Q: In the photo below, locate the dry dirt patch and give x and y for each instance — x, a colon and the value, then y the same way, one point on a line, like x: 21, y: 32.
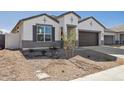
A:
x: 14, y: 66
x: 63, y: 71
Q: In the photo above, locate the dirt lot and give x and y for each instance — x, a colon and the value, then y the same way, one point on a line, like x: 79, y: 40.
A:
x: 14, y: 66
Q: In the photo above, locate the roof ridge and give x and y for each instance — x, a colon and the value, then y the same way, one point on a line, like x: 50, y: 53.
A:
x: 38, y: 16
x: 68, y: 13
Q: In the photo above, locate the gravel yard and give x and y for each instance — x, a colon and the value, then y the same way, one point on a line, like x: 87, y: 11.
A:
x: 14, y: 66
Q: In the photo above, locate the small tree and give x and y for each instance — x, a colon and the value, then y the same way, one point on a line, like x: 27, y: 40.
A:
x: 69, y: 43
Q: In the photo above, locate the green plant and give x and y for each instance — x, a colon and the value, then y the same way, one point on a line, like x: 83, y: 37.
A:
x: 69, y: 43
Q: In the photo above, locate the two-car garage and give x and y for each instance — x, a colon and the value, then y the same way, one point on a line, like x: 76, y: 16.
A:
x: 92, y: 39
x: 88, y: 38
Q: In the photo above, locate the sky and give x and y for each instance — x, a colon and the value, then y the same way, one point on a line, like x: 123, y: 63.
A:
x: 8, y: 19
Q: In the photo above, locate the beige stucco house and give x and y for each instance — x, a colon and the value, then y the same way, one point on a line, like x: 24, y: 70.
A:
x: 42, y: 31
x: 114, y: 35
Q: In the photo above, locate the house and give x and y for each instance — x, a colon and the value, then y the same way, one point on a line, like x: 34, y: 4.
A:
x: 43, y: 31
x: 114, y: 35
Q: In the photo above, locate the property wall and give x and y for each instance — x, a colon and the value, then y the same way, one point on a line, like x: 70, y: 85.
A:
x: 92, y: 25
x: 28, y: 27
x: 20, y: 35
x: 12, y: 40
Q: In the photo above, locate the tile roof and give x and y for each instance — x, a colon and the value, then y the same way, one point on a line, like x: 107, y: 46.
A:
x: 119, y: 28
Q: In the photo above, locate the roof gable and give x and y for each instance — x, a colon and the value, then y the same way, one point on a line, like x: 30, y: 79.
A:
x: 69, y: 13
x: 119, y: 28
x: 25, y: 19
x: 39, y: 16
x: 91, y: 17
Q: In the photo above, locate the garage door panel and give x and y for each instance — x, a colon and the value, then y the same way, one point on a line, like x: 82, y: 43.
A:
x: 108, y: 39
x: 122, y: 38
x: 88, y: 39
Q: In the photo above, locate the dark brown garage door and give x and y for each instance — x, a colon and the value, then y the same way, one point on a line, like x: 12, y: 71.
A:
x: 122, y: 38
x: 108, y: 39
x: 88, y: 38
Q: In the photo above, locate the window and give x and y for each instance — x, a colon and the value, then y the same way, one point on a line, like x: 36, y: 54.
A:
x: 44, y: 33
x: 48, y: 33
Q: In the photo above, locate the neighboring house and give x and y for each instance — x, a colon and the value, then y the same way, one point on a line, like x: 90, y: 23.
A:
x: 114, y: 35
x: 43, y: 31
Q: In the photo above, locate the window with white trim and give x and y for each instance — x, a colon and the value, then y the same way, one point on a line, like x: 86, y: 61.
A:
x: 44, y: 33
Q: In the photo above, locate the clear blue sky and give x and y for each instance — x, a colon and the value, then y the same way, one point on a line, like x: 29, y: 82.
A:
x: 8, y: 19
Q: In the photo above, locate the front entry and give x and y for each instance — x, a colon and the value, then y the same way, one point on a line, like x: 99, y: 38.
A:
x: 88, y: 38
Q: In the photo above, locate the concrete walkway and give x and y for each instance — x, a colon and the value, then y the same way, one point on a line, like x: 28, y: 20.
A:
x: 114, y: 74
x: 108, y: 50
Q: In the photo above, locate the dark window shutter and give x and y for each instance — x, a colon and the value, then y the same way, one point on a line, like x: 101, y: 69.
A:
x: 53, y: 34
x: 34, y: 32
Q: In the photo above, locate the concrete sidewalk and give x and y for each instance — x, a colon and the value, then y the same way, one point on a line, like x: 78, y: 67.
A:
x: 113, y: 74
x: 117, y: 55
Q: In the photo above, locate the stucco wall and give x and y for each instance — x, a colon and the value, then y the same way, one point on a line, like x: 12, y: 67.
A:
x: 87, y: 25
x: 12, y: 41
x: 20, y: 34
x: 68, y: 17
x: 117, y: 35
x: 61, y: 21
x: 66, y: 20
x: 28, y: 27
x: 109, y: 33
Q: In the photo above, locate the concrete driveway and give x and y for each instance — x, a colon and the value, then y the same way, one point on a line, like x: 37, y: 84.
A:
x: 113, y: 74
x: 108, y: 50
